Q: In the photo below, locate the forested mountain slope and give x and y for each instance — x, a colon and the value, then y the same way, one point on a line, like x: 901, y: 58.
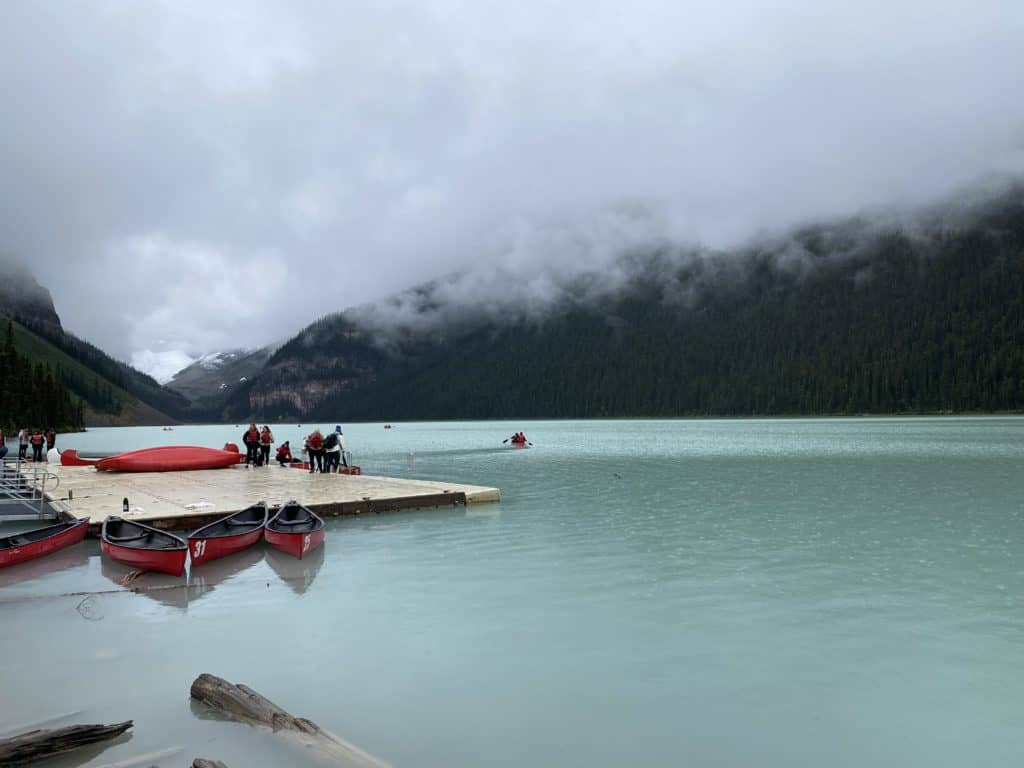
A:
x: 110, y: 391
x: 855, y: 317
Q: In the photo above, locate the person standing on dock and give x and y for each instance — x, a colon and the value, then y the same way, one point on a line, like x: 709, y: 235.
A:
x: 37, y: 441
x: 251, y: 438
x: 51, y: 439
x: 343, y: 449
x: 23, y: 436
x: 332, y: 451
x: 266, y: 440
x: 316, y: 451
x: 3, y: 444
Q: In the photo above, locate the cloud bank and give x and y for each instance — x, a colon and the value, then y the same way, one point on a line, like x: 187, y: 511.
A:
x: 191, y: 176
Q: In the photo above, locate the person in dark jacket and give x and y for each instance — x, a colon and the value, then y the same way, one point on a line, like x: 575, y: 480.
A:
x: 251, y: 438
x: 37, y: 441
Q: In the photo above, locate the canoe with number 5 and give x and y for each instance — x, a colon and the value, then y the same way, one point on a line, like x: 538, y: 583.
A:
x: 143, y: 547
x: 228, y: 535
x: 295, y: 530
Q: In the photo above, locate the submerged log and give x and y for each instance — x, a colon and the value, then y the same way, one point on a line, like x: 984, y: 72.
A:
x: 37, y: 745
x: 242, y: 703
x: 148, y: 759
x: 35, y: 725
x: 201, y: 763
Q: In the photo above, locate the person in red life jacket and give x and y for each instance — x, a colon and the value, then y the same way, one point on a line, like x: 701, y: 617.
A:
x: 284, y: 454
x: 316, y: 451
x: 251, y: 438
x: 266, y: 440
x: 37, y: 441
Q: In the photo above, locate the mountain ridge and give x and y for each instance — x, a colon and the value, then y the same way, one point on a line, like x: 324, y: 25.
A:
x: 847, y: 317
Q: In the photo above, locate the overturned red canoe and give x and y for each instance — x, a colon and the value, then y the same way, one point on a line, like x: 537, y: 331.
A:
x: 171, y: 458
x: 70, y: 458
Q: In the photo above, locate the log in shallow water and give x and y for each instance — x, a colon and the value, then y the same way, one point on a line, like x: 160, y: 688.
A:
x: 38, y: 745
x: 242, y: 703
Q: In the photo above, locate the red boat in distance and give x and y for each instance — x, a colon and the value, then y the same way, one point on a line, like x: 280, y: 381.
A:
x: 294, y: 530
x: 143, y: 547
x: 29, y: 545
x: 228, y: 535
x: 170, y: 458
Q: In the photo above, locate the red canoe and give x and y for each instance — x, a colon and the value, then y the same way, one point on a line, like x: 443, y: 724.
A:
x: 142, y: 547
x: 42, y: 541
x: 228, y: 535
x: 70, y: 458
x: 295, y: 530
x: 171, y: 458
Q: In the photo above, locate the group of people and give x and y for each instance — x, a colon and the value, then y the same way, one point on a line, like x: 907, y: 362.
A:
x: 518, y: 438
x: 326, y: 454
x: 257, y: 445
x: 39, y: 440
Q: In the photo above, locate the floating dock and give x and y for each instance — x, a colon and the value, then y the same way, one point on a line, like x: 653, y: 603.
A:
x: 186, y: 500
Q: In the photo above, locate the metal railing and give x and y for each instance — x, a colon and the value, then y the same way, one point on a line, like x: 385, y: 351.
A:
x: 23, y: 490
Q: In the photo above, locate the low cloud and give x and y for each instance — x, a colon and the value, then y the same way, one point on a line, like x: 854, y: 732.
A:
x: 215, y: 175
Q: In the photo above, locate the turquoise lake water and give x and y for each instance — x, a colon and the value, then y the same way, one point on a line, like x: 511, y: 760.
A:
x: 648, y: 593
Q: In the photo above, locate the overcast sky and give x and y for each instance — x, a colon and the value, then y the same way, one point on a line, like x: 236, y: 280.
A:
x: 193, y: 176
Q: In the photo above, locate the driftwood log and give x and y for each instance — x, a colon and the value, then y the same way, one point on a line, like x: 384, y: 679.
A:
x: 201, y: 763
x: 31, y: 746
x: 242, y: 703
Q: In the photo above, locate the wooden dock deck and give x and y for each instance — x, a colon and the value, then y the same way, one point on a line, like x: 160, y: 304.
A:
x: 184, y: 500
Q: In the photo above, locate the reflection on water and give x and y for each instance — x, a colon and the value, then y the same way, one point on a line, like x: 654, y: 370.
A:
x: 172, y: 591
x: 205, y: 578
x: 180, y: 592
x: 75, y: 556
x: 297, y: 574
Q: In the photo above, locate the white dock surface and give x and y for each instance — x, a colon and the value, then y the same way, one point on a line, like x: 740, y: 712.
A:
x: 166, y: 496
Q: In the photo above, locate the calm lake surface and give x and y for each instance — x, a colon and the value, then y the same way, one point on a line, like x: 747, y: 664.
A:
x: 648, y: 593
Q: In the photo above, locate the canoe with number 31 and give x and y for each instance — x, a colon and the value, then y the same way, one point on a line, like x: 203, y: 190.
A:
x: 228, y: 535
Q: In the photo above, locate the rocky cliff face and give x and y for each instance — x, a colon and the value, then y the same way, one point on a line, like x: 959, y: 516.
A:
x: 22, y: 298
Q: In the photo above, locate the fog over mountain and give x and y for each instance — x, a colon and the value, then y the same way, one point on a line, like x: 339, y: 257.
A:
x: 193, y: 177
